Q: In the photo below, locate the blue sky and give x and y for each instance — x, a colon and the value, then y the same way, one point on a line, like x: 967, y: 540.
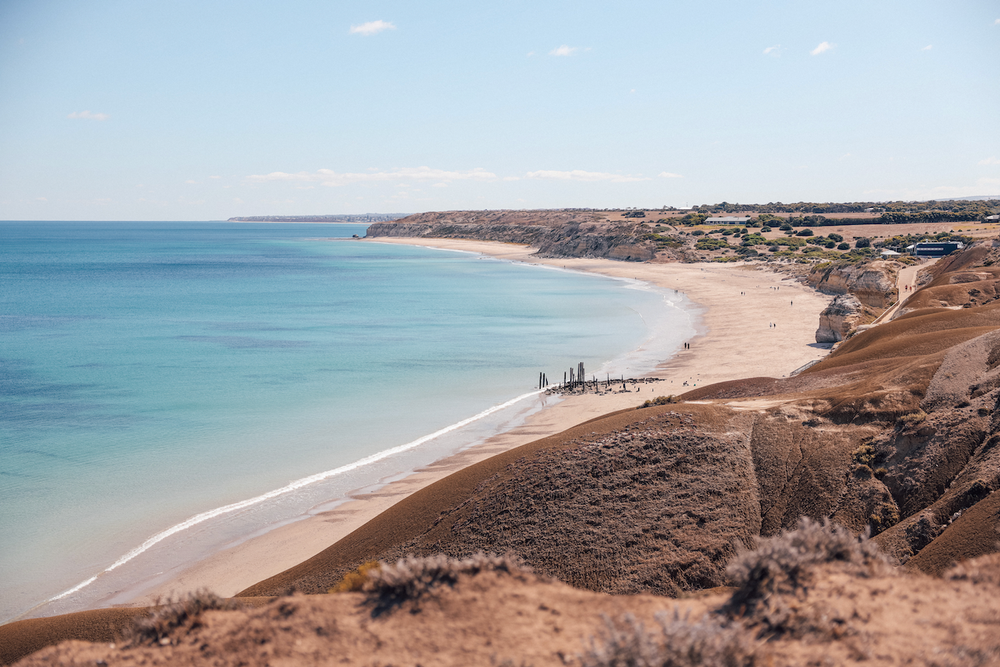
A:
x: 138, y: 110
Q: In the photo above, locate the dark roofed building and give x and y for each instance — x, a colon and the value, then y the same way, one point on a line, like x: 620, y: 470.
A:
x: 935, y: 249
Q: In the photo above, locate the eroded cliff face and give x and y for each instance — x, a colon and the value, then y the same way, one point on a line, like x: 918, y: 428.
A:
x: 874, y: 283
x: 843, y: 314
x: 554, y: 233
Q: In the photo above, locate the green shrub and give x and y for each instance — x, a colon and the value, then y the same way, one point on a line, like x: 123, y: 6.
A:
x: 843, y: 246
x: 711, y: 244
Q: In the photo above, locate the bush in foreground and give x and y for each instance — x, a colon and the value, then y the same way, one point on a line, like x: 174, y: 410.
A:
x: 679, y: 643
x: 166, y: 618
x: 783, y: 566
x: 410, y: 578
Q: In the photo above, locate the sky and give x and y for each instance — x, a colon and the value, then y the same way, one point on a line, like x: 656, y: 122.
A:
x: 204, y: 110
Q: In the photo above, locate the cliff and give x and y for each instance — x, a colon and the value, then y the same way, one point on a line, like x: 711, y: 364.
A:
x: 564, y: 233
x: 872, y: 283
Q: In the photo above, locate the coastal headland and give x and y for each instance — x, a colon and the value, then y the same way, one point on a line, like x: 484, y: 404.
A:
x: 690, y: 506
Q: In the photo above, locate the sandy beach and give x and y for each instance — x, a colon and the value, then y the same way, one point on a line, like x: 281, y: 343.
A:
x: 752, y: 322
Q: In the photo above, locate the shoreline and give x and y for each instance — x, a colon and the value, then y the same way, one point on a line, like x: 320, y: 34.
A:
x: 720, y: 351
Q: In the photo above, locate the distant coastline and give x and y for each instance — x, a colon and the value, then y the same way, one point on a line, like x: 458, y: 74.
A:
x: 361, y: 217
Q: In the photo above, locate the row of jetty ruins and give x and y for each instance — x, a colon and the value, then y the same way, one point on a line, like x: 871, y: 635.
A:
x: 575, y: 382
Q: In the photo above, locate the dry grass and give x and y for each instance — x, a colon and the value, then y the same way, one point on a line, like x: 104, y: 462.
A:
x: 982, y: 570
x: 783, y: 566
x: 354, y: 581
x: 679, y: 643
x: 413, y: 577
x: 182, y: 615
x: 660, y: 400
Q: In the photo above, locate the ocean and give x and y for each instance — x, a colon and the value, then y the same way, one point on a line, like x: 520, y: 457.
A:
x: 169, y: 388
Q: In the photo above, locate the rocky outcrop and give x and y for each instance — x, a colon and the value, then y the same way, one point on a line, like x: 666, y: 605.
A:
x: 874, y: 283
x: 843, y: 314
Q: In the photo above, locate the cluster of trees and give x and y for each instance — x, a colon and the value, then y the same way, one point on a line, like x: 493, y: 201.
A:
x: 903, y: 240
x: 972, y: 209
x: 894, y: 218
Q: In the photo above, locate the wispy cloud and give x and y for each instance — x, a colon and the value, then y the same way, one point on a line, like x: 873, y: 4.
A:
x: 586, y: 176
x: 928, y: 47
x: 822, y: 48
x: 86, y: 115
x: 334, y: 179
x: 564, y: 50
x: 997, y: 22
x: 667, y: 174
x: 990, y: 160
x: 371, y: 28
x: 773, y: 51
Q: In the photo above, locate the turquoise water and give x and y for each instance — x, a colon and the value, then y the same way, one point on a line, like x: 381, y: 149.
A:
x: 152, y: 375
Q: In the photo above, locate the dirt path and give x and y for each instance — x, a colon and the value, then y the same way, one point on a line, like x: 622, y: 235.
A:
x: 907, y: 276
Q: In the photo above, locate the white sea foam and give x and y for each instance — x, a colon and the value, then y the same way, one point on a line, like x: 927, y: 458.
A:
x: 290, y: 487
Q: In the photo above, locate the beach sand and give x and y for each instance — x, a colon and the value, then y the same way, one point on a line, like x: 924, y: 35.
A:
x: 737, y: 306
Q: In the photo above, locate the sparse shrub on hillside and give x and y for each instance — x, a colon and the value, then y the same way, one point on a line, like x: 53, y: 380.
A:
x: 659, y: 400
x: 885, y: 516
x: 864, y: 455
x: 354, y: 581
x: 164, y: 619
x: 783, y: 565
x: 679, y: 643
x: 912, y: 418
x: 412, y: 577
x: 862, y: 472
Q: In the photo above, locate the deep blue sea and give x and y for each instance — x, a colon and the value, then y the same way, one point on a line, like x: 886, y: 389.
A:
x: 167, y: 389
